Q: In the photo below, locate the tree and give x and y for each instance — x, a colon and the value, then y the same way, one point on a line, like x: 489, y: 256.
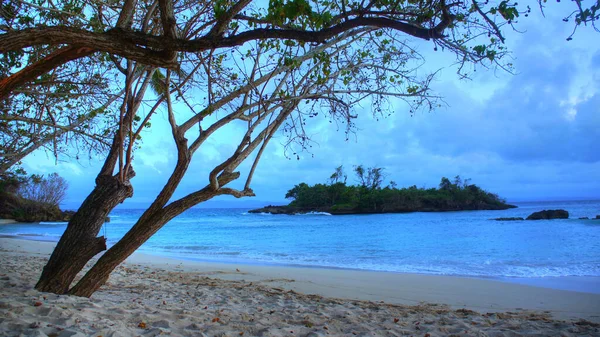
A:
x: 338, y: 175
x: 50, y: 190
x: 374, y: 177
x: 264, y: 68
x: 445, y: 184
x: 359, y: 170
x: 262, y: 118
x: 371, y: 178
x: 296, y: 191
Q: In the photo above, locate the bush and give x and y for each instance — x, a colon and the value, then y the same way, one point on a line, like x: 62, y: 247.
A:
x: 51, y: 190
x: 343, y: 207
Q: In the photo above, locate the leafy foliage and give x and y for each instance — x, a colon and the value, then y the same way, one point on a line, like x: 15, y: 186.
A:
x: 372, y: 198
x: 66, y: 110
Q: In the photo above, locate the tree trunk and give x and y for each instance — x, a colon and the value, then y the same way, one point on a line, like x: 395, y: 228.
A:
x: 148, y: 224
x: 98, y: 275
x: 79, y: 242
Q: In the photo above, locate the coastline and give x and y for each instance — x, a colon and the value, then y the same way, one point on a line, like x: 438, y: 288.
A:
x: 582, y: 284
x: 480, y: 295
x: 293, y: 210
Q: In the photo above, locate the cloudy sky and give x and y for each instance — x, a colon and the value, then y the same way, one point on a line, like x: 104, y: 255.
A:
x: 533, y: 135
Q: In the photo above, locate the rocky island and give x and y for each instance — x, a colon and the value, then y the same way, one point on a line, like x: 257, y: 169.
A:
x: 370, y: 197
x: 549, y: 215
x: 541, y: 215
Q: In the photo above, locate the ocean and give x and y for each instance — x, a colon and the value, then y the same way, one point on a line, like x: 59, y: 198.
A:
x: 465, y: 243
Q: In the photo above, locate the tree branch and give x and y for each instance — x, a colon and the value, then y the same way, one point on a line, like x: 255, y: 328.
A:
x: 204, y: 194
x: 244, y: 89
x: 125, y: 19
x: 225, y: 19
x: 169, y: 24
x: 129, y: 44
x: 488, y: 20
x: 31, y: 72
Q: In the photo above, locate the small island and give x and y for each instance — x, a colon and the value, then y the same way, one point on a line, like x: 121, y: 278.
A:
x: 369, y: 197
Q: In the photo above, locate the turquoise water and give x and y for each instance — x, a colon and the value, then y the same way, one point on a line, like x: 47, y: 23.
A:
x: 451, y: 243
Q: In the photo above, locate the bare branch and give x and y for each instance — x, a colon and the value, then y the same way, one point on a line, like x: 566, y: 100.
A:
x: 488, y: 20
x: 247, y: 192
x: 224, y: 20
x: 126, y: 16
x: 234, y: 94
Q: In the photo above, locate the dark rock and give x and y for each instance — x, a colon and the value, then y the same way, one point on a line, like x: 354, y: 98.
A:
x: 583, y: 218
x: 508, y: 219
x: 597, y: 217
x: 281, y: 210
x: 549, y: 214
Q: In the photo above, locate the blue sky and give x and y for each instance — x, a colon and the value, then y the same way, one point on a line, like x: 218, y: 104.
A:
x: 533, y: 135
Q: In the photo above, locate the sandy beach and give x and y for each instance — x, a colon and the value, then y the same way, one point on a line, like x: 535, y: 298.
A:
x: 150, y: 296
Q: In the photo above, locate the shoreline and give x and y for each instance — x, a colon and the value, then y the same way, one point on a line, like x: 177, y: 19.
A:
x: 481, y: 295
x: 582, y: 284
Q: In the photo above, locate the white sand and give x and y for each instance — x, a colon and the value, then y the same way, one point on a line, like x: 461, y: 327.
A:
x: 178, y: 298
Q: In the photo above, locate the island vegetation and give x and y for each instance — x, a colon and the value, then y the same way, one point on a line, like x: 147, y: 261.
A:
x: 370, y: 196
x: 32, y: 198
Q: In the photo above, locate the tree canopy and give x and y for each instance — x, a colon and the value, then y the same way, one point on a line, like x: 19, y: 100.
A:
x: 60, y: 59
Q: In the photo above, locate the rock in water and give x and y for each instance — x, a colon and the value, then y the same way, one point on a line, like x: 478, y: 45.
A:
x: 549, y: 214
x: 509, y: 219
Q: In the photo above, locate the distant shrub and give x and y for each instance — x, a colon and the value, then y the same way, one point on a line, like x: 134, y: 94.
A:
x: 343, y: 207
x: 51, y: 190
